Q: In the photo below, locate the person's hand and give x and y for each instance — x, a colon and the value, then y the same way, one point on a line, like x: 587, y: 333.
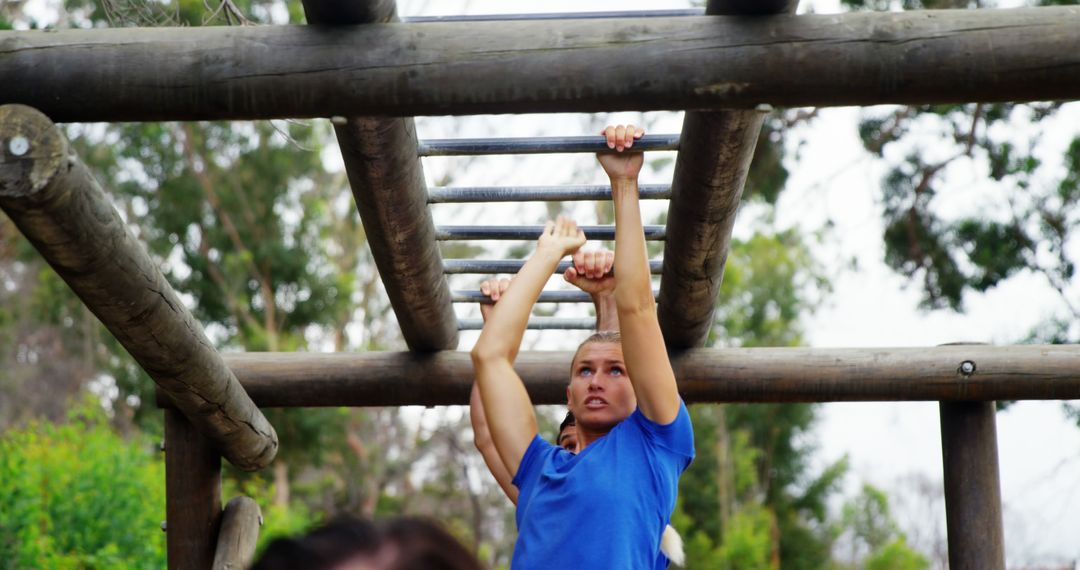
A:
x: 561, y: 237
x: 591, y: 272
x: 493, y: 288
x: 621, y: 165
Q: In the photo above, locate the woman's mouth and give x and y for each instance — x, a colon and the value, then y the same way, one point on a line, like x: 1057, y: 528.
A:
x: 595, y: 403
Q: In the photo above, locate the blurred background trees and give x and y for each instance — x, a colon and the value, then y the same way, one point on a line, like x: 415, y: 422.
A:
x: 254, y: 224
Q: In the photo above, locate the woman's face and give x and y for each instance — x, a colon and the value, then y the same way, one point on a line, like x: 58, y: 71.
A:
x: 600, y: 394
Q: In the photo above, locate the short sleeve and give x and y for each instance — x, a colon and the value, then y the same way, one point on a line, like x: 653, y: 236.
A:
x: 677, y: 436
x: 529, y: 467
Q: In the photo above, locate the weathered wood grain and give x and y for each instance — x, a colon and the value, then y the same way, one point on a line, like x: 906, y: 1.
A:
x: 56, y: 203
x: 388, y: 184
x: 240, y: 522
x: 714, y: 157
x: 192, y: 495
x: 692, y: 63
x: 1026, y: 372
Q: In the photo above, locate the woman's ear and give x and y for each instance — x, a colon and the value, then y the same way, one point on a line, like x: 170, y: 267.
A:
x: 568, y: 395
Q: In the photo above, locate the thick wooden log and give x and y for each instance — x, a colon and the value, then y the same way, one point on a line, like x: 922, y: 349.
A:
x: 1026, y: 372
x: 192, y: 495
x: 710, y: 172
x: 692, y: 63
x: 972, y: 486
x: 388, y: 184
x: 56, y: 203
x: 240, y: 524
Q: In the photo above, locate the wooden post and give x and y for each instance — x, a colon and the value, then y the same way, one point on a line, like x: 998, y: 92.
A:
x: 710, y: 172
x: 388, y: 184
x: 52, y: 198
x: 1026, y: 372
x: 692, y: 63
x: 239, y: 532
x: 972, y: 486
x: 192, y: 495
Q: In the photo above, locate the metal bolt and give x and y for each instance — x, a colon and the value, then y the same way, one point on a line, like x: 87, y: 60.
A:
x: 967, y: 368
x: 261, y: 521
x: 18, y: 145
x: 764, y: 108
x: 161, y: 445
x: 163, y: 526
x: 339, y: 120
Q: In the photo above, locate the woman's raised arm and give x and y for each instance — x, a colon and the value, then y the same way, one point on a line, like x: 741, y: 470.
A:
x: 507, y: 406
x: 644, y: 352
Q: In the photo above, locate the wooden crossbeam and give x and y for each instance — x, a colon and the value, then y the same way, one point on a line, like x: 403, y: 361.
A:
x: 387, y: 181
x: 947, y: 373
x: 692, y: 63
x: 710, y: 171
x: 53, y: 199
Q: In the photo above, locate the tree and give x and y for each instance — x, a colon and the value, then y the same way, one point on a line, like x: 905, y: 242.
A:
x: 1024, y: 217
x: 76, y: 495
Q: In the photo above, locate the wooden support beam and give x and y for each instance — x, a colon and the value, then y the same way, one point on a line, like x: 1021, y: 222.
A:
x: 710, y: 172
x: 693, y: 63
x: 240, y: 524
x: 972, y: 486
x: 1025, y: 372
x: 192, y: 495
x: 56, y: 203
x: 388, y: 184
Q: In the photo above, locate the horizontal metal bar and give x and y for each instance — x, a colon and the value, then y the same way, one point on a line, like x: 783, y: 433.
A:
x: 459, y: 266
x: 474, y: 296
x: 538, y: 145
x: 445, y: 233
x: 461, y: 194
x: 556, y: 16
x: 537, y: 324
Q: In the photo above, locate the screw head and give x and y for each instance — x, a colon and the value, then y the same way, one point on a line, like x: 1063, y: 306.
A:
x: 967, y: 368
x: 164, y: 524
x: 18, y: 145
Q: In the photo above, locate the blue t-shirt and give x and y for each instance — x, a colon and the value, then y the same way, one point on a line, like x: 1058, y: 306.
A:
x: 607, y: 506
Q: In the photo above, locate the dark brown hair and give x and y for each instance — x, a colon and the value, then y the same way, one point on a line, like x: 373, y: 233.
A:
x: 420, y: 544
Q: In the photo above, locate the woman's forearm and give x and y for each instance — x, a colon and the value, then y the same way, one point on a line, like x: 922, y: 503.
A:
x: 502, y: 333
x: 633, y: 285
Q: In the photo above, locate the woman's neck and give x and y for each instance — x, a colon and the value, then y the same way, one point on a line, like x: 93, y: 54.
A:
x: 587, y: 436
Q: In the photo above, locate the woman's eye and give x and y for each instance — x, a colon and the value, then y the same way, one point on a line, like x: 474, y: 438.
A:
x: 616, y: 371
x: 585, y: 371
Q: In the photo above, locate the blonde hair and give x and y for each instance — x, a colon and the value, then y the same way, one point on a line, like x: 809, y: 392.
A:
x: 605, y: 337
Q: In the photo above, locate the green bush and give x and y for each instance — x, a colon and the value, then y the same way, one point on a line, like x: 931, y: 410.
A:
x: 76, y: 495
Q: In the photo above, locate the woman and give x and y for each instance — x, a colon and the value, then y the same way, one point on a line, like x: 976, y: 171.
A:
x: 606, y: 506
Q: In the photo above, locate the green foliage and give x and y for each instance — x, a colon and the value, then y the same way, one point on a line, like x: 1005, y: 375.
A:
x: 75, y: 495
x: 897, y: 555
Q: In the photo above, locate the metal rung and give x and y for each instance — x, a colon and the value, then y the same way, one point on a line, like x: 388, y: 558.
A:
x: 444, y: 233
x: 538, y: 145
x: 487, y: 266
x: 473, y: 296
x: 536, y: 323
x: 557, y: 16
x: 445, y: 195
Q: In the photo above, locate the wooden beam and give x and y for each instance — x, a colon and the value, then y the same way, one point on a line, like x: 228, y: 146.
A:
x: 714, y: 157
x: 1025, y: 372
x: 56, y: 203
x: 388, y: 184
x: 240, y: 524
x: 692, y: 63
x: 972, y: 486
x: 192, y: 495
